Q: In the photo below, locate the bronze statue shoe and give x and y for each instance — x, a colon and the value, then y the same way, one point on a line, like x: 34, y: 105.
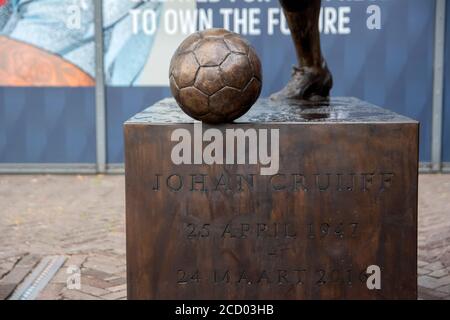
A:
x: 307, y: 83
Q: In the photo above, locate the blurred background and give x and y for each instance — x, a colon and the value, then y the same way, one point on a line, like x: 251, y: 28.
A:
x: 115, y: 58
x: 73, y: 71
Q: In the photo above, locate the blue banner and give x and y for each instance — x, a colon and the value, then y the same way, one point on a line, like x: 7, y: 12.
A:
x: 47, y: 125
x: 378, y: 50
x: 387, y: 61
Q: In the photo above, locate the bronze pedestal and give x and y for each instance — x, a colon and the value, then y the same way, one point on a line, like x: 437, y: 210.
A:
x: 342, y: 199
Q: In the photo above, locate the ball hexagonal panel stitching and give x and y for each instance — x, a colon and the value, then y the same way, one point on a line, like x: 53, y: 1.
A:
x: 185, y: 76
x: 236, y: 71
x: 209, y: 80
x: 225, y: 101
x: 211, y: 52
x: 189, y: 44
x: 237, y: 44
x: 215, y: 76
x: 195, y: 103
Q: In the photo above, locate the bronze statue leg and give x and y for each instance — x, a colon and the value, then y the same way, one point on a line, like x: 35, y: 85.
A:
x: 311, y: 80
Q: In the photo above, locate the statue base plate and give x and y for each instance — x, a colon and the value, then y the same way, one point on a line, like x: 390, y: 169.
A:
x: 288, y: 202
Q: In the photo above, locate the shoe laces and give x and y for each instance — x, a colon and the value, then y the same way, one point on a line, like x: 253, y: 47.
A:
x: 296, y: 70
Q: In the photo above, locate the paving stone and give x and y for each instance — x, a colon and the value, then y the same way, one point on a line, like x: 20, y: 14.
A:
x: 122, y: 287
x: 113, y: 278
x: 61, y: 276
x: 76, y: 260
x: 94, y: 291
x: 422, y: 272
x: 444, y: 289
x: 429, y: 294
x: 118, y: 281
x: 439, y: 273
x: 6, y: 290
x: 428, y: 282
x: 98, y: 283
x: 20, y: 270
x: 421, y: 264
x: 434, y: 266
x: 115, y: 295
x: 95, y: 273
x: 444, y: 281
x: 78, y: 295
x: 110, y: 269
x: 102, y: 260
x: 51, y: 292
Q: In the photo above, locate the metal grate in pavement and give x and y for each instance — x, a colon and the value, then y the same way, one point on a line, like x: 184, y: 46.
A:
x: 41, y: 275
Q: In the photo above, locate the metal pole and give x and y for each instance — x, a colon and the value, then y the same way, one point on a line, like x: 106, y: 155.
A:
x: 438, y: 86
x: 100, y: 100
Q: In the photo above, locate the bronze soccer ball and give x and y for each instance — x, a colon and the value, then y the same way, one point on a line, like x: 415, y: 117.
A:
x: 215, y: 76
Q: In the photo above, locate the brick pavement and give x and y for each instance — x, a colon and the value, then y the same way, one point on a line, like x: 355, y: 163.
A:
x: 434, y: 237
x: 82, y: 218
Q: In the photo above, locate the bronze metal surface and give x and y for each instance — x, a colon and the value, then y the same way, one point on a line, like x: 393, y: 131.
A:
x: 215, y: 76
x: 311, y: 79
x: 344, y: 199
